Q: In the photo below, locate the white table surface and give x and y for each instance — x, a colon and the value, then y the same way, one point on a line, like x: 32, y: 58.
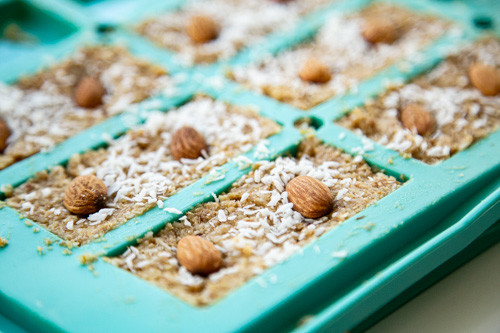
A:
x: 467, y: 300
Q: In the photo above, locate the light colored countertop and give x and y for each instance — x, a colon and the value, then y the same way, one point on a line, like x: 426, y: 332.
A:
x: 468, y: 300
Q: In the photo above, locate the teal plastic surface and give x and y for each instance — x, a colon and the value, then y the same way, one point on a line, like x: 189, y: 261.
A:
x: 52, y: 29
x: 438, y: 211
x: 488, y: 239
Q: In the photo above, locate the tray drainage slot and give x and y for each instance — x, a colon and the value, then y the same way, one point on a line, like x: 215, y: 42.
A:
x: 483, y: 22
x: 306, y: 122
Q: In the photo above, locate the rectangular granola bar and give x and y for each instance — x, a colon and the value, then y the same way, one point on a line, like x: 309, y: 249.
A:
x: 40, y: 110
x: 462, y: 114
x: 239, y: 23
x: 341, y: 48
x: 254, y: 225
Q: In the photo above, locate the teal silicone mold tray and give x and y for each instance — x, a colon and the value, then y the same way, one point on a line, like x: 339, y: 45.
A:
x: 33, y: 33
x: 39, y: 26
x: 436, y: 213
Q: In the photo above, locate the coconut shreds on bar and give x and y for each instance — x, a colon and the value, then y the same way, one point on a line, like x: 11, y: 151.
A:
x: 463, y: 115
x: 254, y: 224
x: 139, y: 170
x: 341, y: 47
x: 241, y: 23
x: 40, y: 109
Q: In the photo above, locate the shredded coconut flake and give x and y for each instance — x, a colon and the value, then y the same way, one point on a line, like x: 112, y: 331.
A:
x: 172, y: 210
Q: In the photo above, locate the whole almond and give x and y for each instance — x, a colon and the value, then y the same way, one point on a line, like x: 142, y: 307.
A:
x: 315, y: 71
x: 415, y: 117
x: 4, y: 135
x: 198, y: 255
x: 202, y: 29
x: 485, y: 78
x: 187, y: 143
x: 379, y: 30
x: 310, y: 197
x: 85, y: 195
x: 89, y: 92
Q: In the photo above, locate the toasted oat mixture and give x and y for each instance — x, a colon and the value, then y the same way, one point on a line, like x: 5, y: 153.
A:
x: 254, y: 225
x: 463, y: 115
x: 139, y: 170
x: 40, y: 110
x: 241, y: 23
x: 340, y: 46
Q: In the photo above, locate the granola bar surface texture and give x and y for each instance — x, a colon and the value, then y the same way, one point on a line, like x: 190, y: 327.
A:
x: 463, y: 115
x: 40, y: 109
x: 253, y: 224
x: 341, y: 47
x: 241, y: 23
